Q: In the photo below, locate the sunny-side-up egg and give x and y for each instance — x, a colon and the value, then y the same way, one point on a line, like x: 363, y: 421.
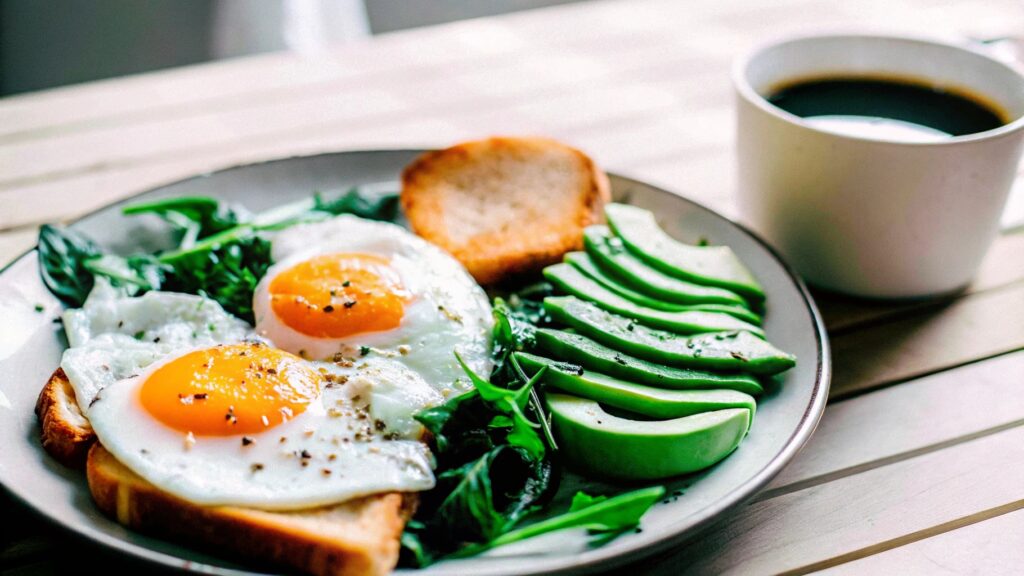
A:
x: 347, y: 288
x: 250, y: 425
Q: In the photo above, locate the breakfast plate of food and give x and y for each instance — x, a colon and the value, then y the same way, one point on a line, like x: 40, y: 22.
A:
x: 488, y: 359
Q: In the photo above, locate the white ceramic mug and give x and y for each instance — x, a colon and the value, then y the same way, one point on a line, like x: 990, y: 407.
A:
x: 867, y: 216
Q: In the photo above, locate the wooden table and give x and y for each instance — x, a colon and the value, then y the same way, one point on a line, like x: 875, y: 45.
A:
x: 918, y: 465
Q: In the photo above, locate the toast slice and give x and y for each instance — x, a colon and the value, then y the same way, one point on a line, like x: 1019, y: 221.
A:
x: 504, y: 206
x: 65, y: 432
x: 355, y: 537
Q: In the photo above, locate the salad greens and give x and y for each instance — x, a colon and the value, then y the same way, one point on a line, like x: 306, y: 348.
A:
x: 219, y: 252
x: 498, y: 462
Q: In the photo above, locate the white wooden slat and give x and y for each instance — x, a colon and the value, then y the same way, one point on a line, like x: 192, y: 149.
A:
x: 899, y: 422
x: 975, y: 326
x: 994, y: 546
x: 539, y: 76
x: 865, y: 513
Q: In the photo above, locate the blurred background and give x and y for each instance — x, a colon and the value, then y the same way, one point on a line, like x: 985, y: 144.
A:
x: 49, y: 43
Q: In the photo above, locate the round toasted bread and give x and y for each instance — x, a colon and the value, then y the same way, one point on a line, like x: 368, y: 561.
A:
x: 504, y: 207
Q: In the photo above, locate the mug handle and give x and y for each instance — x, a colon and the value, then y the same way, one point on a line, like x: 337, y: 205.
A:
x: 1010, y: 51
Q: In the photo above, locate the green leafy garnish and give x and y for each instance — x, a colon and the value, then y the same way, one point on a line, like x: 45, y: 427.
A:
x: 598, y: 515
x: 219, y: 254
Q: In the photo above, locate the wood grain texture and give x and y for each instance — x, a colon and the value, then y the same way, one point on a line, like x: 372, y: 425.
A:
x: 979, y: 548
x: 863, y: 514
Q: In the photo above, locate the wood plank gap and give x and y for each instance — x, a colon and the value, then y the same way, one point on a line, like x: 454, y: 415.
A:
x: 843, y: 396
x: 908, y: 538
x: 879, y: 463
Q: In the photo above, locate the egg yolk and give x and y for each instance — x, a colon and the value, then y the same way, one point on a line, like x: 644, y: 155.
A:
x: 338, y: 295
x: 229, y: 390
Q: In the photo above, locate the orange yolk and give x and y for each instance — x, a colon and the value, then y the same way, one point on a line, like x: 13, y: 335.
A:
x: 338, y: 295
x: 228, y: 390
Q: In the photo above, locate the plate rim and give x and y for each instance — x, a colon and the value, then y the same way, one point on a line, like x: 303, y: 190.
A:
x: 598, y: 559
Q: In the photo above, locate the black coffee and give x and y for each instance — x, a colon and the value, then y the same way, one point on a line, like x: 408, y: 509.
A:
x: 887, y: 107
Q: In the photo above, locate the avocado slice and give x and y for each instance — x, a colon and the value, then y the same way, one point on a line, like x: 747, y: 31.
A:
x: 595, y: 356
x: 604, y: 445
x: 570, y: 280
x: 645, y: 400
x: 581, y: 261
x: 710, y: 265
x: 732, y: 351
x: 608, y: 252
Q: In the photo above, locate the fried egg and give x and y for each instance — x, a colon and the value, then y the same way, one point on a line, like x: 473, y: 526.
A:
x: 349, y: 288
x: 249, y: 425
x: 113, y: 336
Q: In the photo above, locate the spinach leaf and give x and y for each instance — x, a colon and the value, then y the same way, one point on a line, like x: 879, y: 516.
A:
x: 600, y: 515
x: 63, y: 255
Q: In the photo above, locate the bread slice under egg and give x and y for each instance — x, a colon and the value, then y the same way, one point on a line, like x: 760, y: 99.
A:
x: 355, y: 537
x: 504, y: 206
x: 65, y: 431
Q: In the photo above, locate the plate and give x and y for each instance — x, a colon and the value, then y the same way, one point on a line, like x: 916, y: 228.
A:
x: 31, y: 344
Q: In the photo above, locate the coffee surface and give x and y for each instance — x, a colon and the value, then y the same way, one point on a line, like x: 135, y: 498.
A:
x: 888, y: 108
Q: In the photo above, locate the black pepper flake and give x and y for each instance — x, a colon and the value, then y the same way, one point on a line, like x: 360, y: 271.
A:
x: 156, y: 340
x: 349, y: 303
x: 326, y: 472
x: 305, y: 454
x: 364, y: 350
x: 200, y: 396
x: 256, y: 467
x: 346, y: 283
x: 120, y: 323
x: 247, y: 441
x: 282, y: 440
x: 620, y: 359
x: 328, y: 308
x: 271, y: 371
x: 379, y: 425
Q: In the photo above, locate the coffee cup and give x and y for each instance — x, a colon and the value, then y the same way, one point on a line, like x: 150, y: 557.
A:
x: 868, y: 205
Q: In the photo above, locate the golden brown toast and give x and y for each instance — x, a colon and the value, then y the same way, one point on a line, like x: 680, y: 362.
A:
x: 356, y: 537
x: 65, y: 431
x: 504, y: 206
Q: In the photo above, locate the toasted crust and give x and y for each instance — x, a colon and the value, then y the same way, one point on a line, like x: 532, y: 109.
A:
x: 504, y: 206
x: 353, y: 538
x: 65, y: 432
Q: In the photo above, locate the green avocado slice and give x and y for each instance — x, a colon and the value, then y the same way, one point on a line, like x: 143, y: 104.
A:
x: 568, y: 279
x: 710, y: 265
x: 732, y: 351
x: 645, y: 400
x: 608, y: 252
x: 592, y: 355
x: 585, y: 264
x: 604, y: 445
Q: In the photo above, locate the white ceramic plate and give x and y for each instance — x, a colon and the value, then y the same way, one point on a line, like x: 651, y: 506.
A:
x: 31, y: 345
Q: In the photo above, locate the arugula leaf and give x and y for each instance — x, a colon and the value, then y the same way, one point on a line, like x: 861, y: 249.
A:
x: 227, y: 273
x: 63, y: 254
x: 194, y: 217
x: 607, y: 516
x: 476, y: 502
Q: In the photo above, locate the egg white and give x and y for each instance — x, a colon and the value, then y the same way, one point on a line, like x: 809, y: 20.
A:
x: 113, y: 336
x: 349, y: 442
x: 448, y: 311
